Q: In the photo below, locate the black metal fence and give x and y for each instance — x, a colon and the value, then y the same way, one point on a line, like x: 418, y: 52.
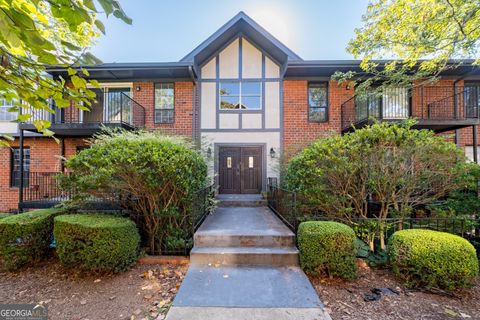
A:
x: 283, y: 203
x: 203, y: 204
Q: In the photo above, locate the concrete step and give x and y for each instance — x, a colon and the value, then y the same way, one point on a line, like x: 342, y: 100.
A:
x: 204, y: 239
x: 246, y: 293
x: 242, y: 203
x: 266, y: 256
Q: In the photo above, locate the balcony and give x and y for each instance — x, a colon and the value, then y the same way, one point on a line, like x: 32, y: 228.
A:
x: 438, y: 108
x: 112, y: 109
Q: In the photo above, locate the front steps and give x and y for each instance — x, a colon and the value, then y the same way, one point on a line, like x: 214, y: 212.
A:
x: 244, y: 236
x: 244, y: 266
x: 241, y: 200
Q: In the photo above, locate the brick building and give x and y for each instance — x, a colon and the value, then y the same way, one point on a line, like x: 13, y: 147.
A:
x: 245, y: 96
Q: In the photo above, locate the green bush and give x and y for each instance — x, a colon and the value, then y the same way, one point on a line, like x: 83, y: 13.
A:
x: 426, y: 258
x: 154, y: 176
x: 26, y: 237
x: 96, y: 242
x: 4, y: 215
x: 327, y: 247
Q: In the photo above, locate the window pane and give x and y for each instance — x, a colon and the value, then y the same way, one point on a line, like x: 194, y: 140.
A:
x: 251, y: 103
x: 251, y: 88
x: 164, y: 96
x: 317, y: 114
x: 15, y: 174
x: 229, y: 102
x: 229, y: 88
x: 164, y: 116
x: 6, y: 115
x: 317, y: 95
x: 395, y: 103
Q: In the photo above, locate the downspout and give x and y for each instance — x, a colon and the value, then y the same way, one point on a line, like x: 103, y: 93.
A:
x: 194, y: 104
x: 20, y: 187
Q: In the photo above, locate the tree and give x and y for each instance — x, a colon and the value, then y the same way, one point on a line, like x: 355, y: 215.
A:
x: 38, y: 33
x: 398, y: 167
x: 408, y: 31
x: 155, y: 177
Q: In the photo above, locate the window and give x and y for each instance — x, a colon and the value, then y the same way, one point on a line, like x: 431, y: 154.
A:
x: 472, y: 99
x: 15, y: 167
x: 164, y: 103
x: 236, y: 95
x: 318, y: 102
x: 6, y: 115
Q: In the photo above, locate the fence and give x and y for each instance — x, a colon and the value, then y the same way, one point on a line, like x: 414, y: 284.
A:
x: 284, y: 204
x: 202, y: 205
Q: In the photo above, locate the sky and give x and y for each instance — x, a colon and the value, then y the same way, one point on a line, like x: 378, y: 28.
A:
x: 166, y: 30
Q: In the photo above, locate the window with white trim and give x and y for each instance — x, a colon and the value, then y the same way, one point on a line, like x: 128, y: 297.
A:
x: 164, y: 103
x: 5, y: 114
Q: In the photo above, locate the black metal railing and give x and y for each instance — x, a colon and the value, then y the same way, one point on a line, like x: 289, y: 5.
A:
x: 109, y: 108
x: 423, y: 103
x: 203, y: 204
x: 460, y: 106
x: 283, y: 203
x: 43, y: 187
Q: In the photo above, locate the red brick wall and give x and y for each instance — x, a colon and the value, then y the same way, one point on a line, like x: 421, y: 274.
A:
x: 183, y: 96
x: 298, y: 131
x: 44, y: 157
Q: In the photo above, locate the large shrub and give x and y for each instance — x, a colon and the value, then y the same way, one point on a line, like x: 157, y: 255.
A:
x: 96, y: 242
x: 154, y: 176
x: 25, y: 238
x: 399, y: 167
x: 4, y: 215
x: 432, y: 259
x: 327, y: 247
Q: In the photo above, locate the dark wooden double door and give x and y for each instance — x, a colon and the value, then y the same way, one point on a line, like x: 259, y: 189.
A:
x: 240, y: 170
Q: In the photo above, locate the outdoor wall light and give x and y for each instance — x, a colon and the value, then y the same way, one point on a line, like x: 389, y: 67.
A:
x: 272, y: 153
x: 138, y: 88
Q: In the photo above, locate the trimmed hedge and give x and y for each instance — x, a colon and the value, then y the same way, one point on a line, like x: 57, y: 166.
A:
x: 25, y: 238
x: 96, y: 242
x: 426, y: 258
x: 4, y: 215
x: 327, y: 247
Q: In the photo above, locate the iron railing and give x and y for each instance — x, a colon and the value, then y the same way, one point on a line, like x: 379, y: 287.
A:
x: 203, y: 204
x: 423, y: 103
x: 283, y: 203
x: 42, y: 187
x: 111, y: 108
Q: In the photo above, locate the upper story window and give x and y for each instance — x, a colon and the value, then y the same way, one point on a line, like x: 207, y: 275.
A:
x: 164, y: 103
x: 240, y: 95
x: 318, y: 102
x: 6, y: 115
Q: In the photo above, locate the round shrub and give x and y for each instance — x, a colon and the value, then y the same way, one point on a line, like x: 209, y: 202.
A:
x: 327, y: 247
x: 155, y: 176
x: 426, y: 258
x: 26, y: 237
x: 96, y: 242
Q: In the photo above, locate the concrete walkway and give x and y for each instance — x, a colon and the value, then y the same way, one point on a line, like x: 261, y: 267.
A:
x: 244, y: 265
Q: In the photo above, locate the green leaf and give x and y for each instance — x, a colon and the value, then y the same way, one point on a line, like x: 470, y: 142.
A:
x: 100, y: 26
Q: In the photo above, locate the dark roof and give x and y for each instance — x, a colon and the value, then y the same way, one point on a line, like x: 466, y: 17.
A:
x: 132, y: 71
x: 241, y: 23
x: 326, y: 68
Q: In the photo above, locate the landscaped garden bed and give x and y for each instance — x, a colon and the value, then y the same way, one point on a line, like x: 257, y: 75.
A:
x: 346, y: 299
x: 144, y: 292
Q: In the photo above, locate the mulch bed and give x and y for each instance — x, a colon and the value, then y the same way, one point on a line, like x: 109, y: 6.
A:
x: 345, y: 300
x: 144, y: 292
